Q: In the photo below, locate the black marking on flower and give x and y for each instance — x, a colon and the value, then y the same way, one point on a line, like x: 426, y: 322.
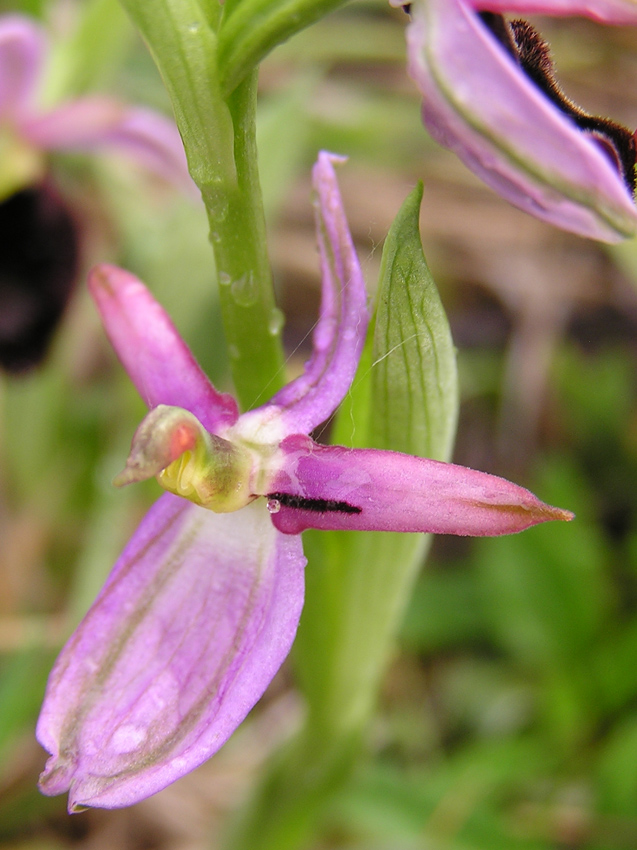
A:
x: 319, y: 506
x: 533, y: 54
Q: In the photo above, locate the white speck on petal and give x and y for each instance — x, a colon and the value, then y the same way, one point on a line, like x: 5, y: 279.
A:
x: 128, y: 738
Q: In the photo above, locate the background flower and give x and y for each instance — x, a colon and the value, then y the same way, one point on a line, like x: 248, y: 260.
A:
x: 40, y: 235
x: 481, y: 102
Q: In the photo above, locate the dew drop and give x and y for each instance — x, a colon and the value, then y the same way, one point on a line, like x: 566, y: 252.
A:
x: 276, y: 321
x: 244, y: 290
x: 216, y: 199
x: 194, y: 27
x: 224, y: 278
x: 273, y: 506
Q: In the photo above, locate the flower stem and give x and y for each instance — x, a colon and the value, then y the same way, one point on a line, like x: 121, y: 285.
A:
x: 239, y: 241
x: 219, y: 138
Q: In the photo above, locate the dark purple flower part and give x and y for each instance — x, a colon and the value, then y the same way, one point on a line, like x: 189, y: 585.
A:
x: 202, y: 607
x: 490, y: 95
x: 39, y: 251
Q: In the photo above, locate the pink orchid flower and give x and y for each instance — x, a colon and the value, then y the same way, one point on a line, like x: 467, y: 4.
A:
x: 28, y: 133
x: 202, y: 607
x: 489, y: 95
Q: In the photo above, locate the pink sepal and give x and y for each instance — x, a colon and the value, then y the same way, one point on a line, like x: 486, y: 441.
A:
x: 478, y: 102
x: 339, y: 335
x: 22, y: 49
x: 159, y: 362
x: 372, y: 490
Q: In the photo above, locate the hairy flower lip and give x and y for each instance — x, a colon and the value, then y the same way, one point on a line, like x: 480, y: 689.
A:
x: 478, y: 102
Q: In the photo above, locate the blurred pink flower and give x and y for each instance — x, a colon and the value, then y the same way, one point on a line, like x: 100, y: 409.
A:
x: 490, y: 96
x: 202, y: 607
x: 83, y: 124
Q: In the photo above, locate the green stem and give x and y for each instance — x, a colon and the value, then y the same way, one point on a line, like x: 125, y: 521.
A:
x: 218, y: 136
x: 298, y: 785
x: 245, y: 282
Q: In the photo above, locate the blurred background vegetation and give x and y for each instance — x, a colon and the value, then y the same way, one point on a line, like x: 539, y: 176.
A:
x: 508, y: 718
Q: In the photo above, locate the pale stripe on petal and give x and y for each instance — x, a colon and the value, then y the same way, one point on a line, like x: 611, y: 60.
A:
x: 196, y: 618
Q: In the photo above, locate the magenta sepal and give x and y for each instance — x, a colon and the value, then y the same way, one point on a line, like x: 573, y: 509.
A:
x: 339, y: 334
x: 195, y: 619
x: 478, y: 102
x: 158, y: 361
x: 331, y: 487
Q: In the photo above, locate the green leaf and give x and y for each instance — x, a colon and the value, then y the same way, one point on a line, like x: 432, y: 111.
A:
x: 404, y: 400
x: 252, y: 28
x: 415, y: 399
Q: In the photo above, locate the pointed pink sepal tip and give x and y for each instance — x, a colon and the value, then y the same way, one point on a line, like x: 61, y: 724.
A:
x: 332, y: 487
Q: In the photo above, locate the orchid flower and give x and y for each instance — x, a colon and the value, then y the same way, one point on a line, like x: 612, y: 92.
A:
x: 28, y: 132
x: 202, y: 607
x: 489, y: 94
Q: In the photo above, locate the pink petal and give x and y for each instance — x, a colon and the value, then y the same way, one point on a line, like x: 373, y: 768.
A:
x: 373, y: 490
x: 194, y: 621
x: 605, y: 11
x: 480, y: 104
x: 22, y: 47
x: 340, y: 332
x: 158, y: 361
x: 99, y: 122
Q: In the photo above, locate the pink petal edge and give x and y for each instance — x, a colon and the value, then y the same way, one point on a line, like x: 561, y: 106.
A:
x: 22, y: 49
